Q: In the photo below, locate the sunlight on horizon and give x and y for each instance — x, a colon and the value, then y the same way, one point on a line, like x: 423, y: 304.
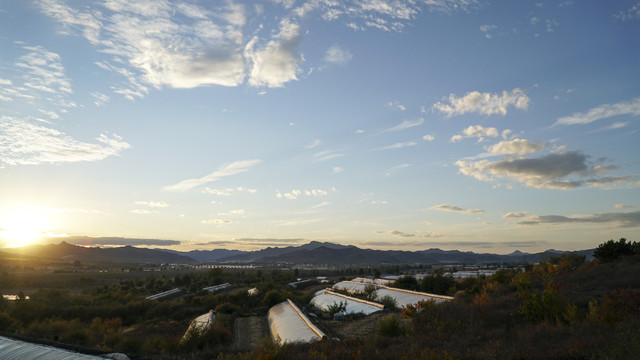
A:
x: 22, y: 227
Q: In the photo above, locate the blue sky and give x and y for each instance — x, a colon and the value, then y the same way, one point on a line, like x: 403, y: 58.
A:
x: 458, y: 124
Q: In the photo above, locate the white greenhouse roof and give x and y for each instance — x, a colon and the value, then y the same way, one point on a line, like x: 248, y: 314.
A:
x: 163, y: 294
x: 289, y: 325
x: 201, y: 323
x: 215, y: 288
x: 11, y: 349
x: 401, y: 296
x: 326, y: 298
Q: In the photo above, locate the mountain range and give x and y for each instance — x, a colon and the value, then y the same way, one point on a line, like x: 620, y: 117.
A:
x: 312, y: 253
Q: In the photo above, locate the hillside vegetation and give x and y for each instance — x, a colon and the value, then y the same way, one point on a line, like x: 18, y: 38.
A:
x: 563, y: 308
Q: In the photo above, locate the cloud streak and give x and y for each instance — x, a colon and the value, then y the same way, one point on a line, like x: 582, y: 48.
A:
x: 234, y: 168
x: 604, y: 111
x: 452, y: 208
x: 618, y: 219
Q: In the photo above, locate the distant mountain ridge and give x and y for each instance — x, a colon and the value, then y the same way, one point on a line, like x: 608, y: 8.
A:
x: 124, y: 254
x: 312, y: 253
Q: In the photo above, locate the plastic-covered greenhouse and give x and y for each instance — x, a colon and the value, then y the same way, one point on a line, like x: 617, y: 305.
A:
x: 289, y: 325
x: 402, y: 297
x: 11, y: 349
x: 201, y: 323
x: 326, y: 298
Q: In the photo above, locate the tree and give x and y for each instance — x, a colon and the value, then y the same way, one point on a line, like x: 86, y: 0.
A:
x: 336, y: 307
x: 612, y: 250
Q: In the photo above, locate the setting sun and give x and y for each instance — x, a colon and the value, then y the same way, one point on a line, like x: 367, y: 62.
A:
x: 22, y: 227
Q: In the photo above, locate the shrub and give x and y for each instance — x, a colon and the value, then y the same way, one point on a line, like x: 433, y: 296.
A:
x: 391, y: 326
x: 388, y: 302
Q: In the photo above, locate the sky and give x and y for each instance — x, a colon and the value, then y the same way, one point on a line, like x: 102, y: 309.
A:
x: 487, y: 126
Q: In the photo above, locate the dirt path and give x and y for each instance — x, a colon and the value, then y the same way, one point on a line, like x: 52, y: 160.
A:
x: 249, y: 331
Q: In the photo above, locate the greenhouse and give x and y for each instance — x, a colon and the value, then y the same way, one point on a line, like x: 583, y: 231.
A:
x: 289, y: 325
x: 402, y: 297
x: 163, y: 294
x: 11, y: 349
x: 199, y: 324
x: 326, y: 298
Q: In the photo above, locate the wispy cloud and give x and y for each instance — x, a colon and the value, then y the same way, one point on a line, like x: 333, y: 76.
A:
x: 417, y: 234
x: 25, y: 143
x: 604, y: 111
x: 406, y: 124
x: 452, y: 208
x: 337, y: 55
x: 234, y: 168
x: 399, y: 145
x: 630, y: 14
x: 483, y: 103
x: 487, y: 30
x: 153, y: 204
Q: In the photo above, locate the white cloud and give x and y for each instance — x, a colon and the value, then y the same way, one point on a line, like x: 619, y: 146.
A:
x: 477, y: 131
x: 484, y: 103
x: 452, y: 208
x: 337, y: 55
x: 487, y: 30
x: 234, y: 168
x: 100, y: 98
x: 294, y: 194
x: 397, y: 105
x: 204, y: 48
x: 604, y: 111
x: 278, y: 62
x: 516, y: 147
x: 428, y: 137
x: 337, y: 169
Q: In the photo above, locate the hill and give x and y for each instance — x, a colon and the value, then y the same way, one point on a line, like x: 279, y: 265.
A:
x: 124, y: 254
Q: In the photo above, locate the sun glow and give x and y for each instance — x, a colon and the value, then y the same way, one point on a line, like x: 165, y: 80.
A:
x: 23, y: 227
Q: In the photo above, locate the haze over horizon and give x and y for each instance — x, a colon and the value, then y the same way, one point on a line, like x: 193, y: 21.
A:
x: 456, y: 124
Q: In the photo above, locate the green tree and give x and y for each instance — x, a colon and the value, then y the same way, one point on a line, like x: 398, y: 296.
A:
x: 613, y: 250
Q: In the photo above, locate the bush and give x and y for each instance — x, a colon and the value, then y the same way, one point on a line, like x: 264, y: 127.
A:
x: 388, y: 302
x: 391, y: 326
